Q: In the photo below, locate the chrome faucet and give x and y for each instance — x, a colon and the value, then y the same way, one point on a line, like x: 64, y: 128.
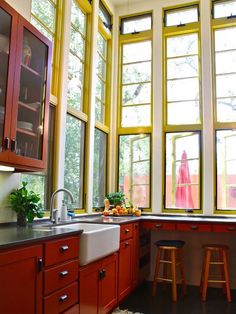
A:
x: 52, y: 201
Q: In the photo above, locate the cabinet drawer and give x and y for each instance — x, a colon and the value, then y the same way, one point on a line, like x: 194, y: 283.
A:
x: 61, y: 300
x: 61, y: 250
x: 158, y: 225
x: 60, y: 276
x: 126, y: 231
x: 73, y: 310
x: 193, y: 227
x: 224, y: 228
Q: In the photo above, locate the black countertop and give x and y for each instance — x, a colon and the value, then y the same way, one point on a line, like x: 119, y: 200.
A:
x: 11, y: 235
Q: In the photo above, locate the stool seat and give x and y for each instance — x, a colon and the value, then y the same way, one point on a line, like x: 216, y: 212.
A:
x: 169, y: 255
x: 171, y: 243
x: 215, y: 247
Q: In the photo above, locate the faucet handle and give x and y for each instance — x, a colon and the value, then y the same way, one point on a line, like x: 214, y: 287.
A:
x: 55, y: 215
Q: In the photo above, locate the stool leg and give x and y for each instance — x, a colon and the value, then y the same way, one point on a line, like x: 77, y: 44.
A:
x: 206, y: 274
x: 225, y: 260
x: 173, y: 270
x: 154, y: 285
x: 165, y: 268
x: 222, y: 271
x: 181, y: 267
x: 203, y: 271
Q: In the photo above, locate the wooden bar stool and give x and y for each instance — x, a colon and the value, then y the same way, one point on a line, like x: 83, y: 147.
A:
x: 215, y: 254
x: 169, y: 252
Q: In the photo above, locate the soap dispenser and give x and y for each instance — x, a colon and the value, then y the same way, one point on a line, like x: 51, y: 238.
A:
x: 63, y: 211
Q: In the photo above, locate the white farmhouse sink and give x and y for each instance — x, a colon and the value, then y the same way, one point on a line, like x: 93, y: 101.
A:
x: 96, y: 241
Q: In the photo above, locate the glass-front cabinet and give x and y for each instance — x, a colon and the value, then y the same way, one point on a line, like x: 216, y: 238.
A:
x: 24, y: 91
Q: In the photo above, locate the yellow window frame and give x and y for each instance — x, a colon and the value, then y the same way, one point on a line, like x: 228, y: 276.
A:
x: 170, y: 31
x: 125, y: 39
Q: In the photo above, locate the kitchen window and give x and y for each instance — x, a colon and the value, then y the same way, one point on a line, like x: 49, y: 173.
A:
x: 224, y: 60
x: 182, y: 109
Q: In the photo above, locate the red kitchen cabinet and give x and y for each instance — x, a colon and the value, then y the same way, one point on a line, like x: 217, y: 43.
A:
x: 125, y: 268
x: 135, y: 255
x: 25, y: 56
x: 98, y: 286
x: 61, y: 265
x: 21, y: 280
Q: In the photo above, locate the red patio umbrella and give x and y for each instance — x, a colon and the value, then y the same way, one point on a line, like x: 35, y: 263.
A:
x: 183, y: 194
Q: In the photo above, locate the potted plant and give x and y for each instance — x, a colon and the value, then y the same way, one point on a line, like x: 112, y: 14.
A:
x: 117, y: 198
x: 26, y: 205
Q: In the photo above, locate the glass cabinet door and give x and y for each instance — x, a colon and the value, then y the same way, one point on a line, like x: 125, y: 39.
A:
x: 32, y: 96
x: 5, y: 33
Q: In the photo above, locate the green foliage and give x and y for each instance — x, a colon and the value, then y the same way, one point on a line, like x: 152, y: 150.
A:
x: 117, y: 198
x: 27, y: 202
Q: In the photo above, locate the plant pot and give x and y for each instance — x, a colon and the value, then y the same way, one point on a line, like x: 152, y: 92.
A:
x: 21, y: 219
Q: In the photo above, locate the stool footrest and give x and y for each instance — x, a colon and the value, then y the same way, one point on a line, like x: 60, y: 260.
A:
x: 216, y: 281
x: 164, y: 279
x: 216, y: 263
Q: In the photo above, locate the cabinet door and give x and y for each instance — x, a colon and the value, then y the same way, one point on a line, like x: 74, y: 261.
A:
x: 30, y: 98
x: 8, y: 34
x: 125, y: 269
x: 108, y: 282
x: 89, y: 288
x: 135, y: 257
x: 21, y: 281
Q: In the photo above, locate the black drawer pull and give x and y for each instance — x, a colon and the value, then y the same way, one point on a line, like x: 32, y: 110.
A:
x: 6, y: 143
x: 159, y: 226
x: 194, y: 227
x: 231, y: 228
x: 63, y: 298
x: 64, y: 248
x: 126, y: 244
x: 64, y: 273
x: 13, y: 145
x: 126, y: 231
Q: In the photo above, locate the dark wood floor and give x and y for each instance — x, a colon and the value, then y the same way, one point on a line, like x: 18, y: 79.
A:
x: 142, y: 301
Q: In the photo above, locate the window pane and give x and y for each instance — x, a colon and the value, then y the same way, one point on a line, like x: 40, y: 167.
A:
x: 182, y: 170
x: 101, y: 67
x: 182, y: 67
x: 224, y: 9
x: 102, y: 45
x: 99, y: 168
x: 99, y: 111
x: 186, y: 112
x: 181, y: 16
x: 100, y: 90
x: 41, y: 28
x: 136, y: 115
x: 182, y: 45
x: 75, y: 82
x: 186, y: 89
x: 226, y: 169
x: 104, y: 15
x: 134, y: 168
x: 136, y: 24
x: 135, y: 52
x: 225, y: 85
x: 45, y: 12
x: 74, y: 158
x: 136, y: 94
x: 225, y: 62
x: 41, y: 183
x: 77, y: 43
x: 78, y: 18
x: 226, y: 109
x: 134, y: 73
x: 223, y: 39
